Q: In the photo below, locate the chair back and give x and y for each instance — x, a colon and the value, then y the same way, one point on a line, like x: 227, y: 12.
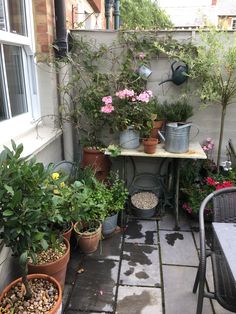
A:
x: 224, y: 205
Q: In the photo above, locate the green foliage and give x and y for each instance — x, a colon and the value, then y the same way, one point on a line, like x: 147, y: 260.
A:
x: 143, y: 14
x: 178, y: 111
x: 100, y: 70
x: 118, y: 193
x: 25, y: 204
x: 212, y: 65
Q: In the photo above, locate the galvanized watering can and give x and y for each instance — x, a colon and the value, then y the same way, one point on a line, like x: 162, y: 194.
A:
x: 177, y: 137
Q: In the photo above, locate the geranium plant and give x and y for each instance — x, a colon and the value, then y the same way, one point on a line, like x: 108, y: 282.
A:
x: 127, y: 108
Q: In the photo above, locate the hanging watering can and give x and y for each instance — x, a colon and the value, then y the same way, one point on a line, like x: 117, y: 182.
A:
x: 179, y: 73
x: 176, y: 137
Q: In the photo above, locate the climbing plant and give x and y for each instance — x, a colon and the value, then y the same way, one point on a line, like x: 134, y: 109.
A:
x: 99, y: 70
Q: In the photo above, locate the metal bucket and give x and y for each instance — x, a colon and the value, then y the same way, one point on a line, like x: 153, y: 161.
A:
x: 129, y: 138
x: 177, y: 137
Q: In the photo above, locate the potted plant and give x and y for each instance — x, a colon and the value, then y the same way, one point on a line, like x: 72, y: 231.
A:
x: 89, y: 203
x: 24, y: 215
x: 127, y: 112
x: 60, y: 188
x: 115, y: 202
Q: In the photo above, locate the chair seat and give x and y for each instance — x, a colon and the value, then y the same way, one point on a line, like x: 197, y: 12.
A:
x: 225, y: 289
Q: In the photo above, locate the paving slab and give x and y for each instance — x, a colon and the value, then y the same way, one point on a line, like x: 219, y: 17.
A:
x: 74, y: 264
x: 95, y: 287
x: 178, y: 248
x: 140, y: 265
x: 139, y: 300
x: 66, y: 293
x: 109, y: 248
x: 141, y: 231
x: 167, y: 222
x: 178, y: 285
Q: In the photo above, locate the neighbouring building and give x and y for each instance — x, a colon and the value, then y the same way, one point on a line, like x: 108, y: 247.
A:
x: 197, y: 13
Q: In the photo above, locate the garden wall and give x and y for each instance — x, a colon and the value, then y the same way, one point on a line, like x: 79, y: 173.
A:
x: 208, y: 119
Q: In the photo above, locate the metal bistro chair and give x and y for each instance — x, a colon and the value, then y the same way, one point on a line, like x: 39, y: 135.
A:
x: 224, y: 210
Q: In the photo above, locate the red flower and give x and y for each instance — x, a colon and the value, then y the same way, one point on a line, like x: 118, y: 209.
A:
x: 210, y: 181
x: 225, y: 184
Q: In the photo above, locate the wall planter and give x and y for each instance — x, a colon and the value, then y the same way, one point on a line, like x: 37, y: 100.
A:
x: 97, y: 160
x: 109, y: 225
x: 88, y: 240
x: 56, y: 308
x: 149, y: 145
x: 129, y: 138
x: 56, y: 269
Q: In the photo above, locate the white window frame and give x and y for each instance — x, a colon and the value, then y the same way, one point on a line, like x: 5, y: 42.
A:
x: 15, y: 126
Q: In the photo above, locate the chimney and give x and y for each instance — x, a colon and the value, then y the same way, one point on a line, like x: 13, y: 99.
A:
x: 213, y: 2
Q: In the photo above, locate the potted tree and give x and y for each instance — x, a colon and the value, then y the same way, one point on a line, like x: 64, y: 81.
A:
x: 24, y: 215
x: 88, y: 200
x: 115, y: 202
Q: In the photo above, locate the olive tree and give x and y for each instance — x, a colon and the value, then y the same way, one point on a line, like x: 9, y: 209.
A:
x: 212, y: 66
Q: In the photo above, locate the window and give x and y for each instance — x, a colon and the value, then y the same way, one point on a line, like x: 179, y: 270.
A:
x: 234, y: 23
x: 17, y: 73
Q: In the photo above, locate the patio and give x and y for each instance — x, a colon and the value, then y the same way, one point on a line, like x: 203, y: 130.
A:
x: 147, y: 269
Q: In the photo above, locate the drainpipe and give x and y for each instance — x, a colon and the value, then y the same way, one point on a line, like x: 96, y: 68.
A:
x: 116, y: 14
x: 61, y: 49
x: 107, y: 13
x: 61, y: 33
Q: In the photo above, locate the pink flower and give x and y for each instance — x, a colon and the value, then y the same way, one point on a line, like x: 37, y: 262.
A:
x: 144, y: 97
x: 142, y: 55
x: 125, y: 93
x: 187, y: 208
x: 107, y: 100
x: 107, y: 108
x: 205, y: 148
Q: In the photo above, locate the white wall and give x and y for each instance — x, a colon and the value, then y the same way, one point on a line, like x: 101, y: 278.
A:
x: 207, y: 120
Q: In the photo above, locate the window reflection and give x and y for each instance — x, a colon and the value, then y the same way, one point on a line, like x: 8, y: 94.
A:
x: 2, y: 17
x: 3, y: 108
x: 15, y: 79
x: 17, y: 20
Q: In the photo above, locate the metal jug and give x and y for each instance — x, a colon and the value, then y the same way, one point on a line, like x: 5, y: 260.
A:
x: 179, y: 73
x: 176, y: 137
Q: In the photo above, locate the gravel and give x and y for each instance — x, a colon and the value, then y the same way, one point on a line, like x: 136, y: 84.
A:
x: 50, y: 255
x: 144, y: 200
x: 44, y: 297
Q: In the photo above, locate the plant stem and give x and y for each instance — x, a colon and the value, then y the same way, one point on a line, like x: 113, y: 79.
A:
x: 28, y: 294
x: 222, y: 121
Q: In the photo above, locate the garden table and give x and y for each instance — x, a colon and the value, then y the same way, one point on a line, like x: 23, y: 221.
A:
x: 226, y: 235
x: 195, y: 152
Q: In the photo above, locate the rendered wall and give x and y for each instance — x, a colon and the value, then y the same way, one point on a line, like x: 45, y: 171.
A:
x: 207, y: 120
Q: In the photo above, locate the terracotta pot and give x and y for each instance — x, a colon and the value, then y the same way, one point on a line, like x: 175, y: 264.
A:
x: 157, y: 125
x: 88, y: 241
x: 57, y: 309
x: 98, y: 161
x: 55, y: 269
x: 149, y: 145
x: 67, y: 233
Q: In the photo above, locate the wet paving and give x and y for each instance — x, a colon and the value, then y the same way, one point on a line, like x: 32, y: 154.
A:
x: 148, y: 268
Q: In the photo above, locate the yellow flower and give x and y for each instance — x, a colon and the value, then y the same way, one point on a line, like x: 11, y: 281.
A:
x: 55, y: 191
x: 62, y: 184
x: 55, y: 175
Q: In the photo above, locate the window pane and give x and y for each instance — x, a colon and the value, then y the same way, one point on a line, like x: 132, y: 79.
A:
x: 3, y: 104
x: 2, y: 17
x: 17, y: 20
x: 15, y: 79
